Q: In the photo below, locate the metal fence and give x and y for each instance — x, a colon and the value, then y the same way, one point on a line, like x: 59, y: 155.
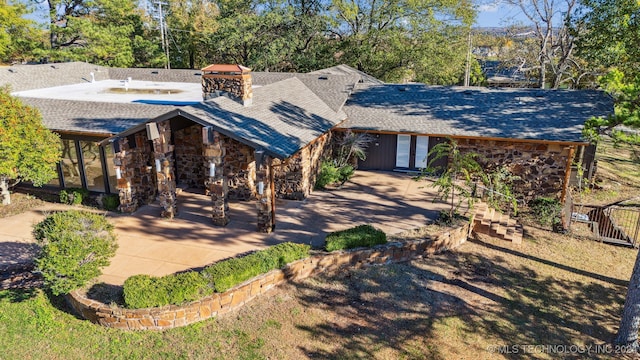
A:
x: 612, y: 224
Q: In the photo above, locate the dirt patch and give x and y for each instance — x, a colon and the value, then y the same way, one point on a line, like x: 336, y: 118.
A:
x: 20, y: 203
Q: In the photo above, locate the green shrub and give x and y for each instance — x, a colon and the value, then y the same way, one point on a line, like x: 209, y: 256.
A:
x: 226, y: 274
x: 111, y: 202
x: 330, y: 174
x: 143, y: 291
x: 75, y: 246
x: 547, y: 211
x: 74, y: 196
x: 359, y: 236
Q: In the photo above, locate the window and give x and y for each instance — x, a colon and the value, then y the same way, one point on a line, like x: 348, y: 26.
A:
x: 69, y: 164
x: 111, y: 171
x: 92, y: 166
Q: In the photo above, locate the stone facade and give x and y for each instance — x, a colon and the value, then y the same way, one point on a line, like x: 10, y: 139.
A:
x: 214, y: 155
x: 542, y: 168
x: 296, y: 176
x: 235, y: 86
x: 165, y: 172
x: 239, y: 169
x: 137, y: 184
x: 173, y: 316
x: 190, y: 171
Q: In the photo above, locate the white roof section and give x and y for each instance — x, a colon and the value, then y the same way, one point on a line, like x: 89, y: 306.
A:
x: 122, y: 91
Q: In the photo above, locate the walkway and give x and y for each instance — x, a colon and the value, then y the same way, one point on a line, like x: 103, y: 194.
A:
x: 153, y: 245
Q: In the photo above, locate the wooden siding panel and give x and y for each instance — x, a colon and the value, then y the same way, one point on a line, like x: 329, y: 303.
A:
x: 381, y: 154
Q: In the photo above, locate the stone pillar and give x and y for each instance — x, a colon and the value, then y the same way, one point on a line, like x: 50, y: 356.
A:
x: 264, y: 192
x: 163, y: 156
x: 215, y: 180
x: 121, y: 161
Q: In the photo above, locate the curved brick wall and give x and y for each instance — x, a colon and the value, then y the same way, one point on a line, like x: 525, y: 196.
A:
x: 171, y: 316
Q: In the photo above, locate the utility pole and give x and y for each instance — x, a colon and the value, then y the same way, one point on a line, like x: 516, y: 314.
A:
x: 163, y: 33
x: 467, y: 68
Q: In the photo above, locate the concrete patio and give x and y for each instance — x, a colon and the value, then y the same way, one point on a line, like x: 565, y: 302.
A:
x: 152, y: 245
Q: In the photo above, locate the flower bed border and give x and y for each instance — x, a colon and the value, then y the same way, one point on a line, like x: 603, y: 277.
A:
x: 171, y: 316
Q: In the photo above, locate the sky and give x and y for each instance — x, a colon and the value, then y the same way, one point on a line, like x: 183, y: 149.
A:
x: 499, y: 14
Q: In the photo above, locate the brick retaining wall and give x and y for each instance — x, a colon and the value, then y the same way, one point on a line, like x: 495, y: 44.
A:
x: 172, y: 316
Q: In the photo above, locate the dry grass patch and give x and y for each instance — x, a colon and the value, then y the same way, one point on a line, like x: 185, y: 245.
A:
x: 20, y: 203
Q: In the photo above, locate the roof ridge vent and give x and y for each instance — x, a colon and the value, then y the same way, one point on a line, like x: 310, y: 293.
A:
x: 323, y: 77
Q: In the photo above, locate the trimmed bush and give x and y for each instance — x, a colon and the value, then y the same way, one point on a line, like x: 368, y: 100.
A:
x: 359, y: 236
x: 111, y: 202
x: 76, y: 245
x: 226, y: 274
x: 547, y: 211
x: 143, y: 291
x: 74, y: 196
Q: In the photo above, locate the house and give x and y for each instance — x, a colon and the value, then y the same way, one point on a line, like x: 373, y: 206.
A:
x: 243, y: 135
x: 536, y: 133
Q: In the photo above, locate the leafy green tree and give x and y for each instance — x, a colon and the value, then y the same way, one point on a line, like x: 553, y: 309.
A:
x: 28, y: 150
x: 97, y: 31
x: 273, y: 35
x: 612, y: 32
x: 403, y: 40
x: 611, y: 41
x: 191, y: 25
x: 20, y: 37
x: 456, y: 181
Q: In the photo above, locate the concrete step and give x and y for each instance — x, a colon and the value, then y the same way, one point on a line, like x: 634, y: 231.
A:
x: 490, y: 222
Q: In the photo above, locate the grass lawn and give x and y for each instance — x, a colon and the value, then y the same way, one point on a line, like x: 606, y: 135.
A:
x: 551, y: 290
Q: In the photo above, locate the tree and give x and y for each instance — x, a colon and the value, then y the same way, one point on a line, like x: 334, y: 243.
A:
x: 191, y: 23
x: 28, y: 150
x: 611, y: 41
x: 97, y: 31
x: 19, y: 36
x: 456, y: 181
x: 403, y: 40
x: 550, y: 54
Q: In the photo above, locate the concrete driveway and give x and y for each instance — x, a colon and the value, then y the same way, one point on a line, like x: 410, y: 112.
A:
x: 152, y: 245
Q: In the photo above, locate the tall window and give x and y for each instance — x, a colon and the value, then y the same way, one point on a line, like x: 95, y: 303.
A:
x: 111, y: 171
x: 70, y: 164
x: 92, y: 166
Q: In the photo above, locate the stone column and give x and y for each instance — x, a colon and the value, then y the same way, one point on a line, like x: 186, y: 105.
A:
x: 215, y: 180
x: 121, y: 161
x: 264, y: 192
x: 163, y: 156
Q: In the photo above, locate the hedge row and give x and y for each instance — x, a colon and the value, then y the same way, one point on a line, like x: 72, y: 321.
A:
x: 359, y: 236
x: 142, y: 291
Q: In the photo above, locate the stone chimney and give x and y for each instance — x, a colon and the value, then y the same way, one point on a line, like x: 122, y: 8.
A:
x: 233, y: 81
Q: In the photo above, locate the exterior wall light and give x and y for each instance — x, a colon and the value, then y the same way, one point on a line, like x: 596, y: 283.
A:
x: 118, y: 173
x: 212, y: 169
x: 261, y: 188
x: 158, y: 166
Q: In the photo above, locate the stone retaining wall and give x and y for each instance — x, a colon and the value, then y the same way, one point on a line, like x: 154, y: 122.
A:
x: 172, y: 316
